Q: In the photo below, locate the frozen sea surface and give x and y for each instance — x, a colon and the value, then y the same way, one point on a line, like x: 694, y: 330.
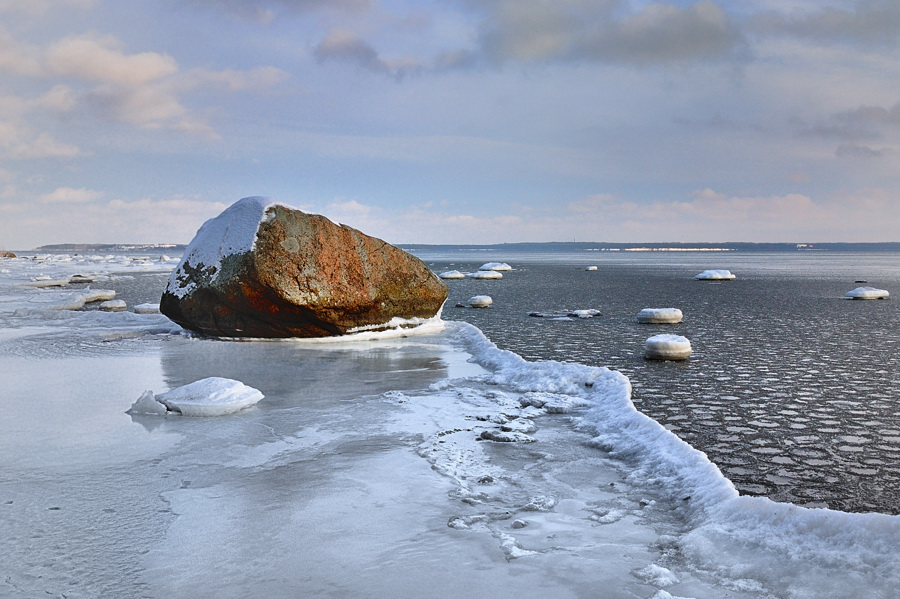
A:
x: 792, y: 389
x: 361, y: 474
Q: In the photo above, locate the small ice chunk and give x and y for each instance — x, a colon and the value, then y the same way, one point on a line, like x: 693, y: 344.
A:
x: 147, y: 404
x: 113, y: 306
x: 867, y: 293
x: 42, y: 282
x: 589, y: 313
x: 715, y: 275
x: 495, y: 266
x: 591, y: 268
x: 98, y: 295
x: 667, y: 347
x: 213, y: 396
x: 485, y: 274
x: 480, y: 301
x: 452, y: 274
x: 506, y: 437
x: 657, y: 576
x: 659, y: 315
x: 146, y: 309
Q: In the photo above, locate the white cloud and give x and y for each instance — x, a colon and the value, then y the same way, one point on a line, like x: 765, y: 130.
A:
x: 256, y: 79
x: 44, y: 146
x: 101, y: 60
x: 69, y: 195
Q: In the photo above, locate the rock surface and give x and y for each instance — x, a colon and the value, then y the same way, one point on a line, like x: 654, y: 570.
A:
x: 262, y: 269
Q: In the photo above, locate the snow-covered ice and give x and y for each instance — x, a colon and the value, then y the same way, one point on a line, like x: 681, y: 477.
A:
x: 480, y: 301
x: 660, y: 316
x: 495, y: 266
x: 667, y: 347
x: 113, y: 306
x: 715, y: 275
x: 867, y: 293
x: 375, y: 468
x: 452, y: 274
x: 146, y: 309
x: 485, y: 274
x: 212, y: 396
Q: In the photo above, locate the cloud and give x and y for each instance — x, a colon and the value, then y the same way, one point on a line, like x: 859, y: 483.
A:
x: 40, y: 7
x: 345, y: 46
x: 267, y: 11
x: 254, y: 79
x: 68, y: 195
x: 101, y: 60
x: 577, y: 30
x: 870, y: 22
x: 18, y: 58
x: 44, y: 146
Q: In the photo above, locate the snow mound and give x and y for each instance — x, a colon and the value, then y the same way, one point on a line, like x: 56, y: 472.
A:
x: 213, y: 396
x: 667, y: 347
x: 480, y: 301
x: 452, y: 274
x: 495, y: 266
x: 486, y: 274
x: 867, y: 293
x: 715, y: 275
x: 659, y: 316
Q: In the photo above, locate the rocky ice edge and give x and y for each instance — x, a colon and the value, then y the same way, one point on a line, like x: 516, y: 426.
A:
x: 660, y: 315
x: 867, y: 293
x: 727, y: 536
x: 231, y: 232
x: 715, y: 275
x: 213, y: 396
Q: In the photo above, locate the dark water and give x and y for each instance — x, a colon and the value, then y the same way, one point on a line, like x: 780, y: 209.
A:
x: 792, y: 390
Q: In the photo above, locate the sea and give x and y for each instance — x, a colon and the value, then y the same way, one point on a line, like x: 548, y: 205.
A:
x: 526, y: 449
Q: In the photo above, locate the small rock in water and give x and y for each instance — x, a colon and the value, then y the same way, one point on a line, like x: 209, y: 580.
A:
x: 667, y: 347
x: 480, y: 301
x: 867, y: 293
x: 503, y: 437
x: 715, y: 275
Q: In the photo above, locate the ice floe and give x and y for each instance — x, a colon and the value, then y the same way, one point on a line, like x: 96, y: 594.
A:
x: 146, y: 309
x: 113, y: 306
x: 659, y: 316
x: 452, y: 274
x: 480, y: 301
x: 715, y: 275
x: 667, y: 347
x: 213, y: 396
x: 591, y: 268
x: 485, y: 274
x: 495, y: 266
x: 867, y: 292
x: 566, y: 314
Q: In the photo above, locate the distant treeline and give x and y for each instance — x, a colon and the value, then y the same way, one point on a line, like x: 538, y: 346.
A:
x: 569, y: 246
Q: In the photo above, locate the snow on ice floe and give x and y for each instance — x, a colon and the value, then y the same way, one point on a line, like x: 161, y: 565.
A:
x: 659, y: 316
x: 113, y: 306
x: 213, y: 396
x: 667, y: 347
x: 485, y: 274
x: 146, y: 309
x: 480, y: 301
x: 867, y: 293
x: 452, y: 274
x: 495, y: 266
x: 715, y: 275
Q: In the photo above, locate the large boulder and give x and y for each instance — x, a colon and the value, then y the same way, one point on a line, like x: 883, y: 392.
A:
x: 262, y: 269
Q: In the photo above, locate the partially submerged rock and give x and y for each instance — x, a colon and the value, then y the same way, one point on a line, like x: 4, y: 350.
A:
x: 262, y: 269
x: 667, y: 347
x: 659, y: 316
x: 867, y: 293
x: 7, y: 255
x: 715, y: 275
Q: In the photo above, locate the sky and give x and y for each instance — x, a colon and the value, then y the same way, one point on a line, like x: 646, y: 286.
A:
x: 453, y: 121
